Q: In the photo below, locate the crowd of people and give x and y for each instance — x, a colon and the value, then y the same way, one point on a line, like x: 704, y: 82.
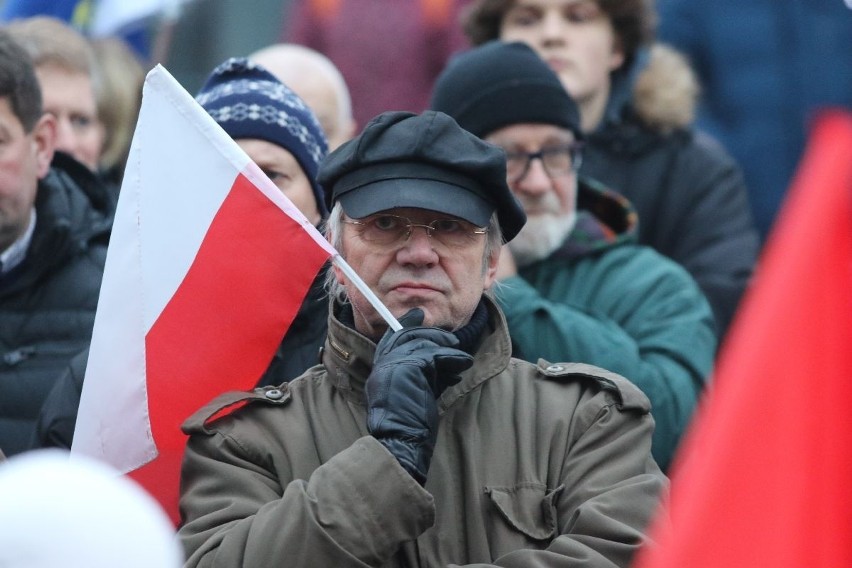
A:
x: 527, y: 193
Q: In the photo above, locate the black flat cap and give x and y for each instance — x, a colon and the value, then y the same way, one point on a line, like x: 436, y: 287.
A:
x: 426, y: 161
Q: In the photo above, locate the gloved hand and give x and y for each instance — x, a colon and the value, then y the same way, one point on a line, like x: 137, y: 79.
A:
x: 411, y: 369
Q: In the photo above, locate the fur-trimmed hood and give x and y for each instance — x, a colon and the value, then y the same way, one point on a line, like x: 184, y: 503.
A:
x: 660, y: 88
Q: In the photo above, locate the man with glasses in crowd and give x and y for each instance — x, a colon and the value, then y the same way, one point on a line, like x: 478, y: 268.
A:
x: 575, y: 285
x: 430, y: 445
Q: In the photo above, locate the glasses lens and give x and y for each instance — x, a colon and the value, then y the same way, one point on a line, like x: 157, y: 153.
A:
x: 383, y: 229
x: 516, y: 165
x: 559, y: 160
x: 453, y: 232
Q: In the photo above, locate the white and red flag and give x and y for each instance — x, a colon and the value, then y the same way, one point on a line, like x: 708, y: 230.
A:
x: 207, y: 266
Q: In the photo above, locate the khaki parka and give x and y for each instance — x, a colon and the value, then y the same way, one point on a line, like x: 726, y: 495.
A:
x: 534, y: 465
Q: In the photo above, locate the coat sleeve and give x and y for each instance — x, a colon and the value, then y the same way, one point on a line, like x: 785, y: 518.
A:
x: 58, y: 415
x: 354, y: 510
x: 646, y: 320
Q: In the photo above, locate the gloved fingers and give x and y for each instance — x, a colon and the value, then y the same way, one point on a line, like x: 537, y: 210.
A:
x: 412, y: 318
x: 413, y: 338
x: 451, y: 361
x: 448, y: 367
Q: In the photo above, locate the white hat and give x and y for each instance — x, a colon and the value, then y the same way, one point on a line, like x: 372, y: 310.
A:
x: 57, y: 510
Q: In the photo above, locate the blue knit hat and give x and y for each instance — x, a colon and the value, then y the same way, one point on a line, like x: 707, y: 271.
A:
x: 249, y: 102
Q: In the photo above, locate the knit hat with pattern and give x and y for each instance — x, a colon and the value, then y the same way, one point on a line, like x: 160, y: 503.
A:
x: 249, y: 102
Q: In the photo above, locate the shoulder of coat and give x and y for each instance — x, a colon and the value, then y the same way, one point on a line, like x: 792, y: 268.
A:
x: 231, y: 402
x: 628, y: 395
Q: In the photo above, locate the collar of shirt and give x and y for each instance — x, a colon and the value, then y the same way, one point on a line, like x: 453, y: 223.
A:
x: 17, y: 252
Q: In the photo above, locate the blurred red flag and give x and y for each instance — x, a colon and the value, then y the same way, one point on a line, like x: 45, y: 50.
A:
x: 765, y: 476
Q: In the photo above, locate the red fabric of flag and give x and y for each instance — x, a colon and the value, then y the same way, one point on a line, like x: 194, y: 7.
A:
x: 765, y: 476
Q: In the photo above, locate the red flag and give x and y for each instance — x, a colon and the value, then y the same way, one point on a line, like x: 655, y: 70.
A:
x: 765, y: 475
x: 208, y: 265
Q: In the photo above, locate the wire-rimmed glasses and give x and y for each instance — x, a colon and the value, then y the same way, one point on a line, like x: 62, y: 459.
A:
x: 385, y: 230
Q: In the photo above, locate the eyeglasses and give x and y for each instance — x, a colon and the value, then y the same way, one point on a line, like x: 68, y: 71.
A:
x: 387, y: 230
x: 557, y: 160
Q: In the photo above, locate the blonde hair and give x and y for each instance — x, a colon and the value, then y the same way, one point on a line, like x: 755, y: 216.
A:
x: 119, y: 98
x: 51, y: 41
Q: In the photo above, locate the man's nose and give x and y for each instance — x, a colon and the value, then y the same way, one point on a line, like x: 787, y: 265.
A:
x: 535, y: 182
x: 419, y: 249
x: 552, y: 28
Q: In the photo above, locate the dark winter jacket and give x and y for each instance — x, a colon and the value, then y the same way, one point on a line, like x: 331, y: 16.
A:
x: 48, y: 306
x: 604, y: 300
x: 300, y: 348
x: 687, y: 190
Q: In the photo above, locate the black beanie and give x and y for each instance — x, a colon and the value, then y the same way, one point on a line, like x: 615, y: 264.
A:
x: 499, y: 84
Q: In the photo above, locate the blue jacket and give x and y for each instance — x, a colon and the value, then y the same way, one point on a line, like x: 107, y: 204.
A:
x: 765, y: 67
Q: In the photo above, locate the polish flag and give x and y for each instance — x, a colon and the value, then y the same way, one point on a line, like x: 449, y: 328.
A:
x: 207, y: 266
x: 763, y: 478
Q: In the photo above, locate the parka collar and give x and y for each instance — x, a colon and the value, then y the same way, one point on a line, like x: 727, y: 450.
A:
x: 348, y: 356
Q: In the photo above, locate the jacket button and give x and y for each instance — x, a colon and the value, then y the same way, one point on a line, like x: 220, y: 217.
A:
x: 555, y: 369
x: 274, y: 394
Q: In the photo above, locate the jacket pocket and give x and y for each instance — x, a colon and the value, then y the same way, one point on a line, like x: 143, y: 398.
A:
x: 529, y: 508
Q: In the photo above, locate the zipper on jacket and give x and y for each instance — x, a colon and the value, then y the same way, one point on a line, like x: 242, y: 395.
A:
x: 340, y: 350
x: 12, y: 358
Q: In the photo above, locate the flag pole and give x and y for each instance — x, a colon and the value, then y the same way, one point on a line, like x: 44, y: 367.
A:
x: 338, y: 261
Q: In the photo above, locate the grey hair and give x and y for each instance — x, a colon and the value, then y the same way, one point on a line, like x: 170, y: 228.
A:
x: 333, y: 229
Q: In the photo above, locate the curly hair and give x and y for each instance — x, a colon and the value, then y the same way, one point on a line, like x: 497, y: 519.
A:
x: 634, y: 21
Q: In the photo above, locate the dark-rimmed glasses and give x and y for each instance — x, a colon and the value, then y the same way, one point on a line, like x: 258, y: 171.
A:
x: 558, y: 160
x: 386, y: 230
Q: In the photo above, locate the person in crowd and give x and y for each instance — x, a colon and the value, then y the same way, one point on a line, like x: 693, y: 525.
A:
x: 429, y: 445
x: 577, y: 287
x: 766, y: 68
x: 636, y: 103
x: 60, y: 510
x: 69, y: 80
x: 388, y: 51
x: 55, y: 221
x: 317, y: 81
x: 286, y: 141
x: 119, y: 97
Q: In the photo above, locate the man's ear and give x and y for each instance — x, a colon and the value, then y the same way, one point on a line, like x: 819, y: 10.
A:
x: 44, y: 142
x: 492, y: 262
x: 617, y: 56
x: 341, y: 277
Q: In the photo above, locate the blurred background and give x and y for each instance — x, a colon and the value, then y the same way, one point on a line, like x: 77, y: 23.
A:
x: 189, y: 37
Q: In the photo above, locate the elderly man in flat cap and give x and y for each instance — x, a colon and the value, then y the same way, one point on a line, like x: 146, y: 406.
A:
x: 428, y: 446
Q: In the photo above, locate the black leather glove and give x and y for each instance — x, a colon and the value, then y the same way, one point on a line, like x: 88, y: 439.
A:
x: 411, y: 369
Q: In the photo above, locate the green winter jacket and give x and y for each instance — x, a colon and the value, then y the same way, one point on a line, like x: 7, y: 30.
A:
x: 605, y: 300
